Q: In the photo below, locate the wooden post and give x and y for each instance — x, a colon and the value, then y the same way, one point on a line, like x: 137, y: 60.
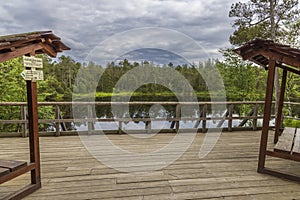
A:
x: 148, y: 126
x: 204, y: 111
x: 267, y: 116
x: 120, y: 127
x: 33, y: 131
x: 230, y: 111
x: 178, y: 115
x: 24, y: 125
x: 278, y: 122
x: 90, y: 117
x: 57, y: 117
x: 255, y: 113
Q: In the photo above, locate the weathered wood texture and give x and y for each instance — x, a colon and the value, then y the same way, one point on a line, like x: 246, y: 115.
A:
x: 271, y: 55
x: 13, y: 46
x: 176, y: 121
x: 260, y: 51
x: 12, y: 165
x: 296, y: 148
x: 286, y: 140
x: 228, y: 172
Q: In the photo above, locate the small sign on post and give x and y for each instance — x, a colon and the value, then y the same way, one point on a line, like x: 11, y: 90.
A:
x: 32, y: 74
x: 32, y: 62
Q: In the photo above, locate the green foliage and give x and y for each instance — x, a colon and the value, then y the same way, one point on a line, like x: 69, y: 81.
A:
x: 291, y: 123
x: 252, y: 20
x: 243, y: 80
x: 13, y: 87
x: 65, y: 79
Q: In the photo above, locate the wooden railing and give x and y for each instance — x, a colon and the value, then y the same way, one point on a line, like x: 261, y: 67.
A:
x: 252, y: 115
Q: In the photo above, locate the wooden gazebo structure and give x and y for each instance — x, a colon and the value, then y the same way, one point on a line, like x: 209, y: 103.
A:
x: 271, y: 55
x: 29, y: 44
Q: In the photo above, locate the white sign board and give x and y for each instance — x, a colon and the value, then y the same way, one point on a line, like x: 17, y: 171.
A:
x: 32, y: 62
x: 34, y: 75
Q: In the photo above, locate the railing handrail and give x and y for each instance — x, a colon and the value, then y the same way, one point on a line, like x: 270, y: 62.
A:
x: 91, y: 117
x: 139, y: 102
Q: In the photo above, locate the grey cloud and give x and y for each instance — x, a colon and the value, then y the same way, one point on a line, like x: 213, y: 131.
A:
x: 84, y: 24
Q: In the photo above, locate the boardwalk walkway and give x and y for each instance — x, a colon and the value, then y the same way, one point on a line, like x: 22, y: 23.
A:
x: 228, y: 172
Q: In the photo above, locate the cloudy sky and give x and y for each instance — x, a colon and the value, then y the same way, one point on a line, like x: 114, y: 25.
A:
x: 112, y: 29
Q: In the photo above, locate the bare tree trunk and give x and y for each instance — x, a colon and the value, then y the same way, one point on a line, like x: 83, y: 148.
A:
x: 273, y: 37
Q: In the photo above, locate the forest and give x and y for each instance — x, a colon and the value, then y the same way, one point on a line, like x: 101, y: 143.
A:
x: 243, y: 81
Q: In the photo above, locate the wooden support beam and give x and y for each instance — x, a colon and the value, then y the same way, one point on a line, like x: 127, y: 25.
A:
x: 281, y: 174
x: 289, y: 69
x: 33, y: 131
x: 34, y: 145
x: 250, y: 54
x: 48, y: 49
x: 14, y: 44
x: 278, y: 122
x: 282, y: 59
x: 267, y: 116
x: 20, y: 52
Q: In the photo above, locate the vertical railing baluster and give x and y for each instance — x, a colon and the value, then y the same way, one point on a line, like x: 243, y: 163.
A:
x: 57, y: 118
x: 90, y: 117
x: 204, y: 113
x: 120, y: 126
x: 230, y: 111
x: 148, y: 126
x: 178, y: 116
x: 255, y: 117
x: 24, y: 124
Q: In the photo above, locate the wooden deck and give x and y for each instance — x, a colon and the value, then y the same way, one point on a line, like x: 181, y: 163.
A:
x: 228, y: 172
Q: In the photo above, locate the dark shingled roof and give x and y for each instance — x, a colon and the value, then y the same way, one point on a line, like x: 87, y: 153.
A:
x: 12, y: 46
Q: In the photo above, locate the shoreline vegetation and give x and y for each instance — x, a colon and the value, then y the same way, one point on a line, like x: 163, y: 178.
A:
x: 243, y: 81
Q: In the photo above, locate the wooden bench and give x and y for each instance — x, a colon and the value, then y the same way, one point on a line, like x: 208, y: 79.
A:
x: 289, y: 142
x: 287, y: 147
x: 10, y: 169
x: 12, y: 165
x: 286, y: 140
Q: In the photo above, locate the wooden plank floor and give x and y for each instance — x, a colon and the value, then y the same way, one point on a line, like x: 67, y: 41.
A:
x: 228, y: 172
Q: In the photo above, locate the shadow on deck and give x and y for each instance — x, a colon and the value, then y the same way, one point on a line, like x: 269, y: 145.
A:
x: 228, y: 172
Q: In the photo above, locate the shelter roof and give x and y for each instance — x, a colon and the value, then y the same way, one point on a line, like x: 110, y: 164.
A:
x: 12, y: 46
x: 260, y: 51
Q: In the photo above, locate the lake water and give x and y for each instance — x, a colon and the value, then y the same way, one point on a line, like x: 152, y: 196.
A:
x: 159, y: 125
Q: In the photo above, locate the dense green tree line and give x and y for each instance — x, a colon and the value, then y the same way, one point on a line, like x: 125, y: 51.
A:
x: 242, y: 80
